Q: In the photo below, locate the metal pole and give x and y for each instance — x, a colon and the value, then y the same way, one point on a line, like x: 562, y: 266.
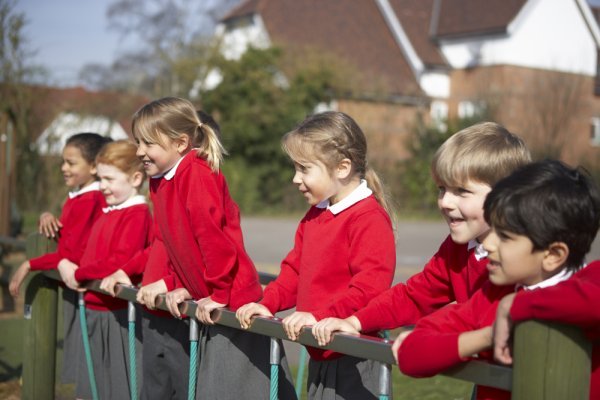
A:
x: 193, y: 358
x: 275, y: 360
x: 132, y: 353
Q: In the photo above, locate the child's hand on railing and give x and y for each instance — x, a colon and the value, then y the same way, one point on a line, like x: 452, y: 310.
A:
x: 293, y: 323
x: 174, y: 298
x: 245, y: 313
x: 147, y: 294
x: 49, y: 225
x: 17, y: 279
x: 67, y: 269
x: 398, y: 342
x: 324, y: 329
x: 502, y: 329
x: 110, y: 282
x: 205, y: 306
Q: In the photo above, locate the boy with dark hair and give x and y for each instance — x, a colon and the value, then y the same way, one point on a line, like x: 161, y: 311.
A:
x: 544, y: 218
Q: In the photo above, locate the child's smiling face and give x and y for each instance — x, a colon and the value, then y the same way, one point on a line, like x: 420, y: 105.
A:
x: 512, y: 259
x: 77, y: 171
x: 462, y: 208
x: 116, y: 185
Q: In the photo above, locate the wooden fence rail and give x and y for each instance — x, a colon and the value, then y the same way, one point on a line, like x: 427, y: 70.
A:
x: 551, y: 361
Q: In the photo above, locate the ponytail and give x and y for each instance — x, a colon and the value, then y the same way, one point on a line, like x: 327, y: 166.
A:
x: 209, y: 146
x: 380, y: 193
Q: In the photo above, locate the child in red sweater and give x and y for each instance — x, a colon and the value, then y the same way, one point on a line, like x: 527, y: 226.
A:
x: 199, y: 238
x: 121, y: 231
x: 72, y: 230
x: 344, y: 251
x: 465, y: 168
x: 544, y: 218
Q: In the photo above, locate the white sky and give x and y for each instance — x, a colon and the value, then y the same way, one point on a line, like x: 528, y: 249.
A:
x: 68, y: 34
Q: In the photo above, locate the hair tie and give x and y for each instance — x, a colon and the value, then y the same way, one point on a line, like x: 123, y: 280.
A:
x: 200, y: 125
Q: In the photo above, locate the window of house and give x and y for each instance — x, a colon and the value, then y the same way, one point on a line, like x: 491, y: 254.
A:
x: 595, y: 131
x: 438, y: 112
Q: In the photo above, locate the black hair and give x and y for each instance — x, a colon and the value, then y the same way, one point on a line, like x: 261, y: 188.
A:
x: 548, y: 202
x: 89, y: 144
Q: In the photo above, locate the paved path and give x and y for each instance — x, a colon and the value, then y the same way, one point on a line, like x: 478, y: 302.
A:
x: 268, y: 240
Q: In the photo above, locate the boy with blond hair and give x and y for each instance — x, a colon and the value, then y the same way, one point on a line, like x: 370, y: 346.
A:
x: 465, y: 168
x: 544, y: 218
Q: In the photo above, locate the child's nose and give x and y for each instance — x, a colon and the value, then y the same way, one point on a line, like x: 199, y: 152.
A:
x: 297, y: 179
x: 140, y: 152
x: 446, y: 200
x: 489, y: 243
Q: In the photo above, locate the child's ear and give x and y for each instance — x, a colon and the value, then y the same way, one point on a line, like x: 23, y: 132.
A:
x: 555, y: 256
x: 183, y: 143
x: 93, y: 170
x: 344, y: 169
x: 136, y: 179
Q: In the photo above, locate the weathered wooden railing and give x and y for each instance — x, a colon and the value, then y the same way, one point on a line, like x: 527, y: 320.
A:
x: 551, y: 361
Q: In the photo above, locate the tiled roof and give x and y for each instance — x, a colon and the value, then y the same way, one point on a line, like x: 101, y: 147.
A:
x: 354, y: 32
x: 415, y: 17
x: 474, y: 17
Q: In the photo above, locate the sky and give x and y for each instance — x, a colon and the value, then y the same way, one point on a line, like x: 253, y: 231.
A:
x: 67, y: 34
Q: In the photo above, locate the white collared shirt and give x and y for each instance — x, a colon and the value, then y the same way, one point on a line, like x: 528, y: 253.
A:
x: 553, y: 280
x: 360, y: 193
x: 134, y: 201
x: 480, y: 252
x: 171, y: 173
x: 89, y: 188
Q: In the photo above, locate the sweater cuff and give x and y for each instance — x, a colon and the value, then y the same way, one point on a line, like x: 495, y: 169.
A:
x: 220, y: 296
x: 270, y: 303
x: 369, y: 321
x: 522, y: 307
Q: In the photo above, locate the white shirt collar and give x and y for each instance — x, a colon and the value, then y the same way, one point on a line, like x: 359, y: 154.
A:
x: 360, y: 193
x: 134, y: 201
x: 480, y: 252
x: 553, y: 280
x: 171, y: 173
x: 89, y: 188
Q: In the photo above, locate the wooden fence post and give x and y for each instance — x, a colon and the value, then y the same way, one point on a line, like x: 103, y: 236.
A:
x: 551, y: 362
x: 41, y: 304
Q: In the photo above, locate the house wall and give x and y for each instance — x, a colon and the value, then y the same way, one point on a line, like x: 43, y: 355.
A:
x: 552, y: 111
x: 549, y: 35
x: 387, y: 126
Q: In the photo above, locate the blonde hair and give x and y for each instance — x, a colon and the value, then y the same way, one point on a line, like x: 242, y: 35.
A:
x: 331, y: 137
x: 121, y: 154
x: 485, y: 152
x: 173, y: 117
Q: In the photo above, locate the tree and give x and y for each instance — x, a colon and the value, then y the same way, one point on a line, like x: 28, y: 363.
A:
x: 175, y: 39
x: 14, y: 111
x: 256, y: 105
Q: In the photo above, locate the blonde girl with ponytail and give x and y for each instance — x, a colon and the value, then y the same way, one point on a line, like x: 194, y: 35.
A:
x: 198, y: 253
x: 344, y: 251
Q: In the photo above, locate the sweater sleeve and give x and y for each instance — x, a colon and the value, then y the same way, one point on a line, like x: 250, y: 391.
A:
x: 433, y: 345
x: 405, y: 303
x: 77, y: 224
x: 575, y: 301
x: 372, y: 265
x: 127, y: 240
x: 281, y: 294
x: 205, y: 205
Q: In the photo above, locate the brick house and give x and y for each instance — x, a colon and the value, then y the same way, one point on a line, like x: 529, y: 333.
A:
x: 529, y: 64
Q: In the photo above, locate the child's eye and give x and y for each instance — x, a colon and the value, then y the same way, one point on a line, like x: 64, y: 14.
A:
x: 463, y: 191
x: 441, y: 190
